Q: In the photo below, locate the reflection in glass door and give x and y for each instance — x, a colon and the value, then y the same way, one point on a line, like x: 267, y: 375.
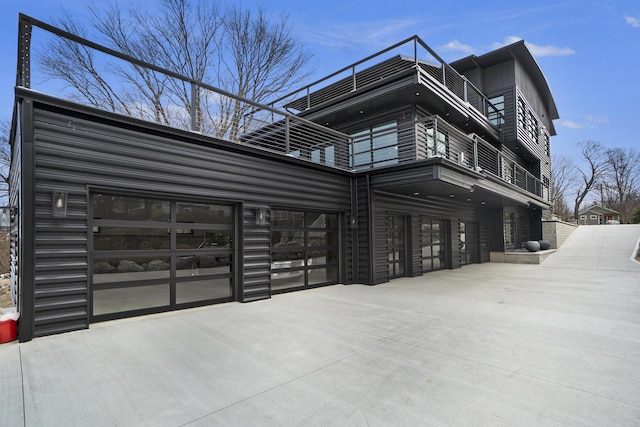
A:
x: 433, y: 239
x: 396, y: 246
x: 468, y: 243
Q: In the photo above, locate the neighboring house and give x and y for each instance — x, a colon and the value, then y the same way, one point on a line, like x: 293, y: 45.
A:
x: 596, y: 214
x: 394, y: 166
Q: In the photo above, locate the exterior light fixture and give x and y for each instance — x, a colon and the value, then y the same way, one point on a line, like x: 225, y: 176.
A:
x: 353, y: 221
x: 59, y: 204
x: 261, y: 216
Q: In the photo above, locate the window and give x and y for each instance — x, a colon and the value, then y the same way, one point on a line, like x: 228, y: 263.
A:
x: 522, y: 110
x: 304, y: 249
x: 495, y: 110
x: 593, y: 217
x: 152, y: 254
x: 438, y: 146
x: 433, y: 244
x: 583, y: 217
x: 547, y: 142
x: 508, y: 169
x: 324, y: 155
x: 532, y: 127
x: 511, y: 240
x: 375, y: 146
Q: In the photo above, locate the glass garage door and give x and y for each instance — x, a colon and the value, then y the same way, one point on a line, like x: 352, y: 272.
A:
x: 433, y: 238
x: 396, y: 246
x: 151, y: 255
x: 304, y: 249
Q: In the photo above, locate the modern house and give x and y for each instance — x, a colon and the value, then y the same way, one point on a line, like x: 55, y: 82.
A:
x: 596, y: 214
x: 397, y: 165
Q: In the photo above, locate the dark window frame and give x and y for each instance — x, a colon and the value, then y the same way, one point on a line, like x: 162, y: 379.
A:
x: 173, y: 253
x: 304, y: 267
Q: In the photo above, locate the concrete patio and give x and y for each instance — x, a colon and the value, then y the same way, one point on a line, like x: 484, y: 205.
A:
x: 491, y: 344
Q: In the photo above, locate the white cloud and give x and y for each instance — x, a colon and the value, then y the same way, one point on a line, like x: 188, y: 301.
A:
x: 455, y: 45
x: 590, y: 122
x: 571, y: 124
x: 362, y: 34
x: 549, y: 50
x: 598, y: 119
x: 507, y: 40
x: 634, y: 22
x: 536, y: 50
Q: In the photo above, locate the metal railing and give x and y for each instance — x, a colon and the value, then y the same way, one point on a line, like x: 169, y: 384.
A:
x: 408, y: 54
x: 433, y: 137
x: 184, y: 103
x: 118, y: 83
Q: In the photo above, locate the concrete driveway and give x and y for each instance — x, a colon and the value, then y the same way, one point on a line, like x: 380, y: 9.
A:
x: 491, y: 344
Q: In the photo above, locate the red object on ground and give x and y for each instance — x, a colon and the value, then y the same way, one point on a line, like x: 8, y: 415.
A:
x: 8, y: 330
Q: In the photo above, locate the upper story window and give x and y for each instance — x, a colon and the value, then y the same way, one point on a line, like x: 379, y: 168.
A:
x: 375, y: 146
x: 495, y: 112
x: 522, y: 111
x: 437, y: 147
x: 547, y: 142
x: 532, y: 127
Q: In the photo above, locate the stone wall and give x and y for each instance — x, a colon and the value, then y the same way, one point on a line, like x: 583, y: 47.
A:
x: 556, y: 232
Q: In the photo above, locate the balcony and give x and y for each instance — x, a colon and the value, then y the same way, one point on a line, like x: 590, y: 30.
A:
x: 197, y: 107
x: 410, y: 56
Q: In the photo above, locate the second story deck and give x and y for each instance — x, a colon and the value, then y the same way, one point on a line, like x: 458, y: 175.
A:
x: 184, y: 103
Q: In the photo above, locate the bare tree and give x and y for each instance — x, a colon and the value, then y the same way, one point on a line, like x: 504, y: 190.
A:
x: 595, y: 162
x: 563, y: 176
x: 623, y: 180
x: 261, y: 59
x: 242, y: 52
x: 184, y: 37
x: 76, y: 65
x: 5, y: 161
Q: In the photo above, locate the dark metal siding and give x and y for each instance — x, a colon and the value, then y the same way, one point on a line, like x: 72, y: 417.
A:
x: 451, y: 212
x: 415, y: 243
x: 456, y: 254
x: 73, y: 153
x: 381, y: 242
x: 365, y: 243
x: 26, y: 230
x: 496, y: 230
x: 256, y: 275
x: 483, y: 236
x: 15, y: 192
x: 498, y: 76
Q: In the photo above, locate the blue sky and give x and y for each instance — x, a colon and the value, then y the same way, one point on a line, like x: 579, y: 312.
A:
x: 589, y: 50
